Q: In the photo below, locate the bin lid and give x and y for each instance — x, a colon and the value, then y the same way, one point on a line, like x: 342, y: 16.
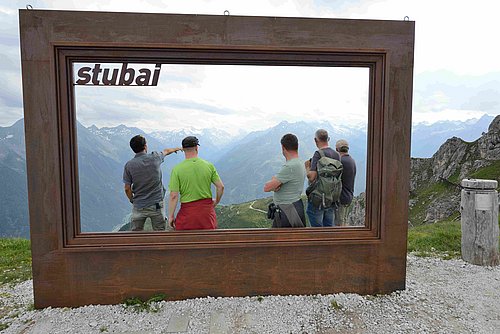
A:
x: 479, y: 184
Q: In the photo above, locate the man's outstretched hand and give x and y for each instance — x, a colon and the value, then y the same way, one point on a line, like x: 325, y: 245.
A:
x: 168, y: 151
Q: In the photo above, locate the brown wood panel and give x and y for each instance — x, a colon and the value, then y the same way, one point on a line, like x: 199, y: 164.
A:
x: 71, y: 268
x: 374, y: 61
x: 110, y: 277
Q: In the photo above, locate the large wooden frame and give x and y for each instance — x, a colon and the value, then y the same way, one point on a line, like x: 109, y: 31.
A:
x: 71, y: 268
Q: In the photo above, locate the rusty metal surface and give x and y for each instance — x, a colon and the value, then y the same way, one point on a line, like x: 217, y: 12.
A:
x: 70, y: 268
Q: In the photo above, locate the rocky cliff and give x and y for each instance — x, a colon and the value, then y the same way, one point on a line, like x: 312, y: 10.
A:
x: 434, y: 182
x: 356, y: 215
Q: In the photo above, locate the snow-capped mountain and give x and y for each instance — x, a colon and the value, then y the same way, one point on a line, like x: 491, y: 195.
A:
x: 244, y: 162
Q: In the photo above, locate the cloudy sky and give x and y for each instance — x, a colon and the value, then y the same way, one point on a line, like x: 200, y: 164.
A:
x: 232, y: 98
x: 457, y: 75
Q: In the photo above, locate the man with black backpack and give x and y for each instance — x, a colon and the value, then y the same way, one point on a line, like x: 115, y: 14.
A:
x: 324, y: 172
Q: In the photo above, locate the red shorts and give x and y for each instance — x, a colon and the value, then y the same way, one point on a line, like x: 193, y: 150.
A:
x: 197, y: 215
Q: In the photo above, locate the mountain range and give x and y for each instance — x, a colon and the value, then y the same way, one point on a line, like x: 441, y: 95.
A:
x: 435, y: 181
x: 244, y: 163
x: 13, y: 190
x: 427, y: 138
x: 434, y: 184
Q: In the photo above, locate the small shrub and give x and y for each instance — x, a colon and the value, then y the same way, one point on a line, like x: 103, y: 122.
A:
x: 335, y: 305
x: 30, y: 307
x: 150, y: 305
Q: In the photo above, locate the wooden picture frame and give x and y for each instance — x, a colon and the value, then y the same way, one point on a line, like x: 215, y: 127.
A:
x: 71, y: 268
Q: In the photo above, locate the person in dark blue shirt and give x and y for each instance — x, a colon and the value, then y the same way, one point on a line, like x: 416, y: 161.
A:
x: 348, y: 176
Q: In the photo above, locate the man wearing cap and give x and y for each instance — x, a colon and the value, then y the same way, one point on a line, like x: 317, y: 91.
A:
x: 191, y: 180
x: 143, y: 184
x: 320, y: 217
x: 348, y: 176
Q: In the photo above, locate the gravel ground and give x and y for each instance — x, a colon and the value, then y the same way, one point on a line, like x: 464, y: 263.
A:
x: 442, y: 296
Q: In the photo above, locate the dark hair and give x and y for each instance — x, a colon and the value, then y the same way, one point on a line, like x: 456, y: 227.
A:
x: 344, y: 149
x: 137, y: 143
x: 290, y: 142
x: 322, y: 135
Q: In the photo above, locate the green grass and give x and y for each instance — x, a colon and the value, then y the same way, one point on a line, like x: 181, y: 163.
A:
x: 455, y: 177
x: 335, y: 305
x: 491, y: 172
x: 442, y: 237
x: 15, y: 260
x: 150, y: 305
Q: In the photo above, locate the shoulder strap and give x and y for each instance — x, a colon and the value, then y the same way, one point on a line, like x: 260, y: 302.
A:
x: 321, y: 153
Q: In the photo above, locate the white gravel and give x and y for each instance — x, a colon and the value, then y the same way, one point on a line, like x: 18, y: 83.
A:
x: 442, y: 296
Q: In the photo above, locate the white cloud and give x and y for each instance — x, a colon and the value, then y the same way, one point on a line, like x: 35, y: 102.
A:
x: 232, y: 98
x: 456, y: 35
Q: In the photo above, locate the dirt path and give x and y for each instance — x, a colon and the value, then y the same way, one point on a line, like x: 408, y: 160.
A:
x: 258, y: 210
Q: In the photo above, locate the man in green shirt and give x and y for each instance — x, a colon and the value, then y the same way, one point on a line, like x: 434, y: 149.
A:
x: 192, y: 180
x: 287, y: 186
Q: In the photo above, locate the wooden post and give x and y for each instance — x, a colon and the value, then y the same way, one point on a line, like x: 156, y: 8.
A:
x: 479, y: 208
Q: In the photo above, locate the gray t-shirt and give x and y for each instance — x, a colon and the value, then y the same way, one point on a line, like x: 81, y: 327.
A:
x: 348, y: 176
x: 291, y: 176
x: 143, y: 173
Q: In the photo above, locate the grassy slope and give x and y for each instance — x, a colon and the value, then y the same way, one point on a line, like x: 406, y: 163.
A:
x: 241, y: 216
x: 15, y: 260
x: 491, y: 172
x: 425, y: 195
x: 443, y: 236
